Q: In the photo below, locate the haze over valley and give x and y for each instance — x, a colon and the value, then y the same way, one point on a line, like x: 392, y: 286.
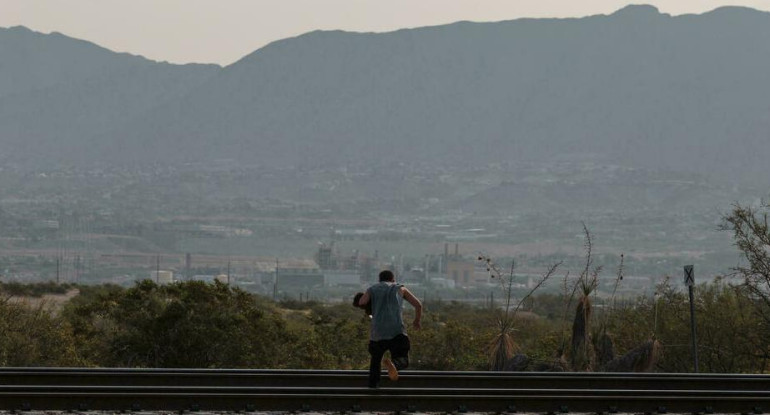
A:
x: 496, y: 137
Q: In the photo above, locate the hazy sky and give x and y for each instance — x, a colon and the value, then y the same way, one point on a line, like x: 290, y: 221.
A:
x: 222, y: 31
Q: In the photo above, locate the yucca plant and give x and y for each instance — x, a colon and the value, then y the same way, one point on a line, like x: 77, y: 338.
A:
x: 603, y: 344
x: 642, y: 358
x: 503, y: 346
x: 581, y: 352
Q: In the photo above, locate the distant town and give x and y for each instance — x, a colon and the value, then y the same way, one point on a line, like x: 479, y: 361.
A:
x: 313, y: 232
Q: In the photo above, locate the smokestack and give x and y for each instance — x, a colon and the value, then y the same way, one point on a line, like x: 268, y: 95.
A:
x: 457, y: 250
x: 446, y: 250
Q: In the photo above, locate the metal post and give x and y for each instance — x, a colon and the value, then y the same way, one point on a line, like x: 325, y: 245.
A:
x: 692, y: 324
x: 689, y: 280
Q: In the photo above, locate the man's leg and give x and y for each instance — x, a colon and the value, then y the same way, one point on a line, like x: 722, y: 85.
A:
x: 391, y: 368
x: 399, y: 351
x: 376, y: 350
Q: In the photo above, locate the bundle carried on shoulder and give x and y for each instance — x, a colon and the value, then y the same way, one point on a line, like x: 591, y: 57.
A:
x: 367, y: 308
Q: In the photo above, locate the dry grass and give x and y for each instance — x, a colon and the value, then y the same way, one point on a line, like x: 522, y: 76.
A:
x: 52, y: 301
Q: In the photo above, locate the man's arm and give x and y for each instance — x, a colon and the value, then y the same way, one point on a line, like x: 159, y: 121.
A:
x: 415, y: 302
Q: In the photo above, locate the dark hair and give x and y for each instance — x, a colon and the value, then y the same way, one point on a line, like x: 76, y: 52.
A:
x: 387, y: 275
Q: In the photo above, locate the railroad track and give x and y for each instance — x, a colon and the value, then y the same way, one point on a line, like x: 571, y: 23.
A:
x: 345, y: 391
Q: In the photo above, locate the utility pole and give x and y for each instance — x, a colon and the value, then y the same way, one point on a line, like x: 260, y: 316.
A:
x: 187, y: 265
x: 492, y: 299
x: 275, y: 280
x: 77, y: 268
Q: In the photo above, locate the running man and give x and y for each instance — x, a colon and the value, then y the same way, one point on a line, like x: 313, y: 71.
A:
x: 388, y: 331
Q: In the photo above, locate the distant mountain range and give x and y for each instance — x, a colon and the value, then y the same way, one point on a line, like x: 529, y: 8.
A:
x: 58, y: 94
x: 688, y: 93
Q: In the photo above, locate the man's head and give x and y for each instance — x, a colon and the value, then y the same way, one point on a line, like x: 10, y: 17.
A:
x: 387, y: 276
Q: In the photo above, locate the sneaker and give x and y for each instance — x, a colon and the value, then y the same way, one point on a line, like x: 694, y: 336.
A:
x: 392, y: 371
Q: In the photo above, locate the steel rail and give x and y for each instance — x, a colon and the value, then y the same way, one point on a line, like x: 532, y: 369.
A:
x: 249, y: 390
x: 352, y: 399
x: 353, y: 378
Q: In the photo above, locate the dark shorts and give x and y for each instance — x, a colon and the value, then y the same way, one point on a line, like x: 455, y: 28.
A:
x: 399, y: 350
